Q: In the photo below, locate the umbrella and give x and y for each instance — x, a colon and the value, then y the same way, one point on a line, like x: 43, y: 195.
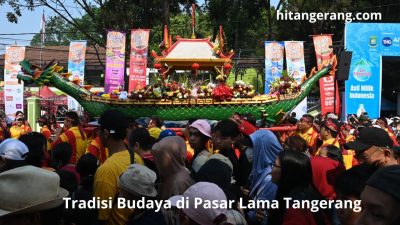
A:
x: 45, y: 92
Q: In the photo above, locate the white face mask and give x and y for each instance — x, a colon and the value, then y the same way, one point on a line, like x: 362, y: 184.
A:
x: 249, y: 154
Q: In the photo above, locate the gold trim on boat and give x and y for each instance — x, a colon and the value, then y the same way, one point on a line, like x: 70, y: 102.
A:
x: 261, y: 99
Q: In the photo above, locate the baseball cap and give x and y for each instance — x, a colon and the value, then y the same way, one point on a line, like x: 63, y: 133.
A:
x: 386, y: 179
x: 139, y: 180
x: 13, y: 149
x: 247, y: 128
x: 203, y: 126
x: 368, y: 137
x: 155, y: 132
x: 166, y: 133
x: 114, y: 121
x: 198, y: 213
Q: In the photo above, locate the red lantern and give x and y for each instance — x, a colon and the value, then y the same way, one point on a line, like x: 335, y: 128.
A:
x: 227, y: 66
x: 195, y: 66
x: 157, y: 66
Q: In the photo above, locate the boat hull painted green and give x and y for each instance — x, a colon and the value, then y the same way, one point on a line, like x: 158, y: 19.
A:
x: 272, y: 109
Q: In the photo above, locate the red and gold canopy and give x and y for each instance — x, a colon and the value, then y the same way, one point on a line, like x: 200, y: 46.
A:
x: 192, y: 54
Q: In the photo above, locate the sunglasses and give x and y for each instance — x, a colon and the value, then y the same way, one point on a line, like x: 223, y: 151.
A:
x: 20, y: 119
x: 274, y: 165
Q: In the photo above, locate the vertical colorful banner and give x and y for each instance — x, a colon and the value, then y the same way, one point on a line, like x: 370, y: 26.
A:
x: 328, y: 86
x: 76, y: 60
x: 115, y: 61
x: 273, y: 62
x: 368, y: 42
x: 363, y: 88
x: 76, y: 66
x: 13, y: 91
x: 138, y: 59
x: 295, y: 59
x: 296, y: 68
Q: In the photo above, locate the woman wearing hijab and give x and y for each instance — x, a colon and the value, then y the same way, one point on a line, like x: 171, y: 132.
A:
x: 218, y: 172
x: 266, y: 147
x: 202, y: 215
x: 169, y: 156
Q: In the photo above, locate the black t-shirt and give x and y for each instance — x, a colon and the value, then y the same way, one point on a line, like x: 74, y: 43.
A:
x: 230, y: 154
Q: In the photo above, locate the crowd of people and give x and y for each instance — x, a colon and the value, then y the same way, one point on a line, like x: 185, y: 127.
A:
x: 233, y: 161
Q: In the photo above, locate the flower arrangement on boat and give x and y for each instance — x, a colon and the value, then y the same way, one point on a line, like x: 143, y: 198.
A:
x: 284, y: 85
x: 173, y: 90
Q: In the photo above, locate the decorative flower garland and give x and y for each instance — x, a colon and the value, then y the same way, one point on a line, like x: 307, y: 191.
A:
x: 284, y: 85
x: 219, y: 92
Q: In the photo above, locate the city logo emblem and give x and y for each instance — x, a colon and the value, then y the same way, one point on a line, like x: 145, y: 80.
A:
x: 373, y: 42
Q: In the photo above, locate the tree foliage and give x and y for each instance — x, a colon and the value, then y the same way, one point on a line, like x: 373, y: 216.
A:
x: 58, y: 32
x: 103, y: 15
x: 246, y: 23
x: 242, y: 20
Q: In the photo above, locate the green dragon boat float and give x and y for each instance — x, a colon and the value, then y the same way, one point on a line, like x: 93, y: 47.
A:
x: 172, y: 101
x: 171, y: 109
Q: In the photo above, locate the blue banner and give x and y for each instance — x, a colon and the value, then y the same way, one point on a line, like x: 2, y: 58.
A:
x: 295, y: 60
x: 368, y: 42
x: 76, y: 66
x: 296, y: 68
x: 273, y: 62
x: 76, y: 60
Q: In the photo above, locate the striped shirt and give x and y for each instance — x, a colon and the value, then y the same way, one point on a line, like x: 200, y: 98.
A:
x: 77, y: 141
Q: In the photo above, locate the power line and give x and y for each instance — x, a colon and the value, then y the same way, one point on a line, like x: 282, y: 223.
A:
x: 48, y: 51
x: 70, y: 32
x: 56, y: 50
x: 48, y: 33
x: 14, y: 39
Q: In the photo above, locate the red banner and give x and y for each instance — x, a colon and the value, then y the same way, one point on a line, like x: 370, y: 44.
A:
x: 328, y: 85
x: 138, y: 59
